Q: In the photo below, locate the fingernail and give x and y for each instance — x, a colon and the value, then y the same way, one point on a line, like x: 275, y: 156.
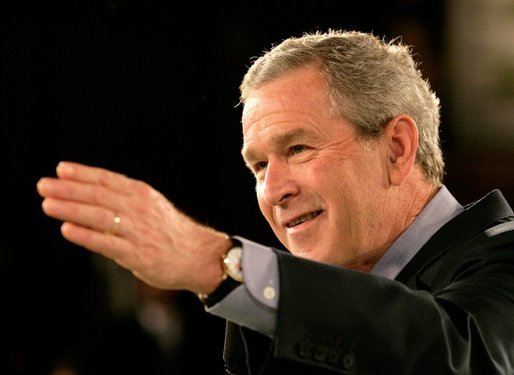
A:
x: 64, y: 168
x: 40, y: 185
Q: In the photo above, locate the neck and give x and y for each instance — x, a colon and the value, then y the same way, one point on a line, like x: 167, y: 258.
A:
x: 409, y: 202
x: 365, y: 262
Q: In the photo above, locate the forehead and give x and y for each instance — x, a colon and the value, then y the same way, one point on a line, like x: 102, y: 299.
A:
x: 298, y: 96
x: 293, y: 109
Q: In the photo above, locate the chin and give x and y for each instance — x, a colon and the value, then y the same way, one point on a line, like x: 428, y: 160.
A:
x: 311, y: 254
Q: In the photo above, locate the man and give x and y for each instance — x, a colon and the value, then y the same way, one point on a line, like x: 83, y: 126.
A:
x: 385, y: 273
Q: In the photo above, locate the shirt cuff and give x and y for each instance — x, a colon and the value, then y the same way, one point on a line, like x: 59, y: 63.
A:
x: 254, y: 303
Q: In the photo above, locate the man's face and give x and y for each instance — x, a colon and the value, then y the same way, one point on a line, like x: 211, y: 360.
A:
x: 319, y: 188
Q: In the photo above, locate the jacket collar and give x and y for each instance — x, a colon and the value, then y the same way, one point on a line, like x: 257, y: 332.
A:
x: 475, y: 218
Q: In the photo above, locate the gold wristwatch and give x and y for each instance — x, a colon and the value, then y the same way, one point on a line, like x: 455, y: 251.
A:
x: 231, y: 263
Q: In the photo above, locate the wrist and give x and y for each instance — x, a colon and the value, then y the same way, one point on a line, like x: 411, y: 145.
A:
x: 232, y: 276
x: 214, y: 272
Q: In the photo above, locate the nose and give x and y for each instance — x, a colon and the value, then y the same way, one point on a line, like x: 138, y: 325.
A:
x: 278, y: 185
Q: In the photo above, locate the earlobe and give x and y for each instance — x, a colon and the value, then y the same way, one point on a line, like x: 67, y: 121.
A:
x: 402, y: 143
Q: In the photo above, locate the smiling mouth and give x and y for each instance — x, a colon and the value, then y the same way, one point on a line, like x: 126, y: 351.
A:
x: 303, y: 219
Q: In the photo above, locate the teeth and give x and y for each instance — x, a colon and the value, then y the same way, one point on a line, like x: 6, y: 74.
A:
x: 303, y: 219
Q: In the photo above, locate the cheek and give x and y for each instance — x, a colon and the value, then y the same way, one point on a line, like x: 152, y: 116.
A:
x: 322, y: 176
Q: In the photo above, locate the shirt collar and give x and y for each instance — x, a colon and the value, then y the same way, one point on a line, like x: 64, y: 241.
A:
x: 442, y: 208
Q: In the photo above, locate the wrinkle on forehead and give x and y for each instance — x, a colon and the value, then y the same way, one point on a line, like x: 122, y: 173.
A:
x: 295, y: 91
x: 251, y: 113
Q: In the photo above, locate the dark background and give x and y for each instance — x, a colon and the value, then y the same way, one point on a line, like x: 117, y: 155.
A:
x: 150, y: 89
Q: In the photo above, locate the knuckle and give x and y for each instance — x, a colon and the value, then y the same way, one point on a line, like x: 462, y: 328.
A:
x: 99, y: 196
x: 143, y: 189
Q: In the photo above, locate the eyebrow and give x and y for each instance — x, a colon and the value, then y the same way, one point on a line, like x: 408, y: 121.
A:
x: 278, y: 140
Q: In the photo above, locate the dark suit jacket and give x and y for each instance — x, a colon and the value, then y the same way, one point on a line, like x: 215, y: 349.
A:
x: 450, y: 311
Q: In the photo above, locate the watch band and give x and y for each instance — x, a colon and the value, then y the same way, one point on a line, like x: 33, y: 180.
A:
x: 227, y: 285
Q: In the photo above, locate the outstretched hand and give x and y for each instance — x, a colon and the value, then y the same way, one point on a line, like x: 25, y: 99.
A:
x: 135, y: 225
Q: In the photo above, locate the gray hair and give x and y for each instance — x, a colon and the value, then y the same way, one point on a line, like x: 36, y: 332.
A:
x: 369, y: 82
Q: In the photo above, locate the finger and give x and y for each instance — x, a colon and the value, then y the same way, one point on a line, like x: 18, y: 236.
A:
x: 92, y: 217
x: 81, y: 192
x: 113, y: 247
x: 97, y: 176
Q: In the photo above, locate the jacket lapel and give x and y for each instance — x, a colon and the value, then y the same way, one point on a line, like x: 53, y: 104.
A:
x: 477, y: 217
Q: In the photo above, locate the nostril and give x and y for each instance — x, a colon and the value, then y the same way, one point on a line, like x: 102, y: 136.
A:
x: 285, y: 197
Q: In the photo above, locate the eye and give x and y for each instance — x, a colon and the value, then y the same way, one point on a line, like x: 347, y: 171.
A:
x: 259, y: 166
x: 296, y: 149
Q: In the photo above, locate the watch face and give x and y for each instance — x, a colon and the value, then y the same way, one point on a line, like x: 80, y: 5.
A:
x: 232, y: 262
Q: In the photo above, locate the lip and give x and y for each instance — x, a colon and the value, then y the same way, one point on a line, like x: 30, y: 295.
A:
x: 302, y: 225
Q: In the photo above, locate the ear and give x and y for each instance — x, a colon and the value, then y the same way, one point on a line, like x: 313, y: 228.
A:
x: 401, y: 144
